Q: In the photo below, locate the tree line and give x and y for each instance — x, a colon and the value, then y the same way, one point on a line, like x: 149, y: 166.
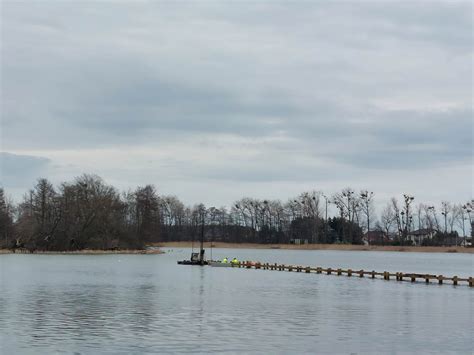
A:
x: 89, y: 213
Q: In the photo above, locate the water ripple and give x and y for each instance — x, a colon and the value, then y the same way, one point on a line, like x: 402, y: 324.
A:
x: 150, y: 305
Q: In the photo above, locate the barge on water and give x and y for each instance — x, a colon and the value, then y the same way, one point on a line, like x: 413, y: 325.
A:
x: 197, y: 258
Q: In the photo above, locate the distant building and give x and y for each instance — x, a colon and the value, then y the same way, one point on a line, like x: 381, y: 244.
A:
x: 298, y: 241
x: 419, y: 235
x: 375, y: 237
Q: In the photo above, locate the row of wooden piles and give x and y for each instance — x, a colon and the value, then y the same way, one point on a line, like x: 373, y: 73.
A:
x: 386, y: 275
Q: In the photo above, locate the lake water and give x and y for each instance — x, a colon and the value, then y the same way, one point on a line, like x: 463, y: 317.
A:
x: 132, y: 304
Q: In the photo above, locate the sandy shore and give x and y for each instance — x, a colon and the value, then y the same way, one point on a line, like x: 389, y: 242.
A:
x: 87, y: 252
x: 321, y: 247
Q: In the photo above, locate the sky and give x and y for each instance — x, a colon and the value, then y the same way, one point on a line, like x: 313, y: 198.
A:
x: 212, y: 101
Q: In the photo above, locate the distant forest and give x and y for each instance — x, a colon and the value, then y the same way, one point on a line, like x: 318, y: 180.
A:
x: 88, y: 213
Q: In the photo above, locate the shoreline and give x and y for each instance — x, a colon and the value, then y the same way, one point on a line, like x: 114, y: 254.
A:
x: 156, y: 248
x: 85, y: 252
x: 343, y: 247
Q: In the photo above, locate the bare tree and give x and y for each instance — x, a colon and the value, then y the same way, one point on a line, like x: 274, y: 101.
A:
x: 460, y: 217
x: 445, y: 212
x: 468, y: 209
x: 346, y: 203
x: 6, y: 219
x: 431, y: 218
x: 420, y: 218
x: 407, y: 215
x: 388, y: 219
x: 147, y: 213
x: 366, y: 199
x: 396, y: 214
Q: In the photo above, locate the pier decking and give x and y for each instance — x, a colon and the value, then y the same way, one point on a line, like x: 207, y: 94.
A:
x: 385, y: 275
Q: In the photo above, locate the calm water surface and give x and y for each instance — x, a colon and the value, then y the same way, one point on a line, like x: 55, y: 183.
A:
x: 130, y: 304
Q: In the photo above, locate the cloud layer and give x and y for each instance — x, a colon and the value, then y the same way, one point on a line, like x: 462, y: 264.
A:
x: 268, y: 98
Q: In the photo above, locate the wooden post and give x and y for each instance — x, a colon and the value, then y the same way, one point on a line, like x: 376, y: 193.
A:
x: 339, y: 272
x: 373, y: 274
x: 361, y: 273
x: 319, y: 270
x: 329, y: 271
x: 413, y: 278
x: 471, y: 282
x: 290, y: 268
x: 308, y: 269
x: 440, y: 279
x: 455, y: 280
x: 349, y: 272
x: 427, y: 279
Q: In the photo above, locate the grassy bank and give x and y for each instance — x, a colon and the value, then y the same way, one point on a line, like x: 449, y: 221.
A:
x: 321, y: 247
x: 86, y: 252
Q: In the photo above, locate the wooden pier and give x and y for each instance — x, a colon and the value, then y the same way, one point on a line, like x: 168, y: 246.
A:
x: 385, y: 275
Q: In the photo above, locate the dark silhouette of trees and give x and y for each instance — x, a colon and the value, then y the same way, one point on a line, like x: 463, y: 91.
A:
x: 92, y: 215
x: 147, y: 214
x: 88, y: 213
x: 6, y: 220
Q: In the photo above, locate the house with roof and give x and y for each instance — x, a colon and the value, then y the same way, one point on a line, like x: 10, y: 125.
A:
x: 376, y: 237
x: 417, y: 236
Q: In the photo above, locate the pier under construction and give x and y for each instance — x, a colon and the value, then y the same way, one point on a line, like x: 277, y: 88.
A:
x: 384, y: 275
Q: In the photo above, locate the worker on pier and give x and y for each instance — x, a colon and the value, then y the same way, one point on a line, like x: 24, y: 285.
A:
x: 225, y: 260
x: 234, y: 261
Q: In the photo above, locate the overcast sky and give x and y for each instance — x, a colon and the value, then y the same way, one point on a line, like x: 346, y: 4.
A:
x: 215, y: 100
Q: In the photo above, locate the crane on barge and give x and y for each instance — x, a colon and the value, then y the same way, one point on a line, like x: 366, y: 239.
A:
x: 198, y: 258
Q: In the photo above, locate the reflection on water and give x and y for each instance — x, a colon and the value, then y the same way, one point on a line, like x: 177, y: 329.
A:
x: 146, y: 303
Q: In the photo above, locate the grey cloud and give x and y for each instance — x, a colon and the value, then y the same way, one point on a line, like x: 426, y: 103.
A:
x: 155, y: 105
x: 151, y: 73
x: 20, y: 170
x: 401, y: 140
x: 444, y: 23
